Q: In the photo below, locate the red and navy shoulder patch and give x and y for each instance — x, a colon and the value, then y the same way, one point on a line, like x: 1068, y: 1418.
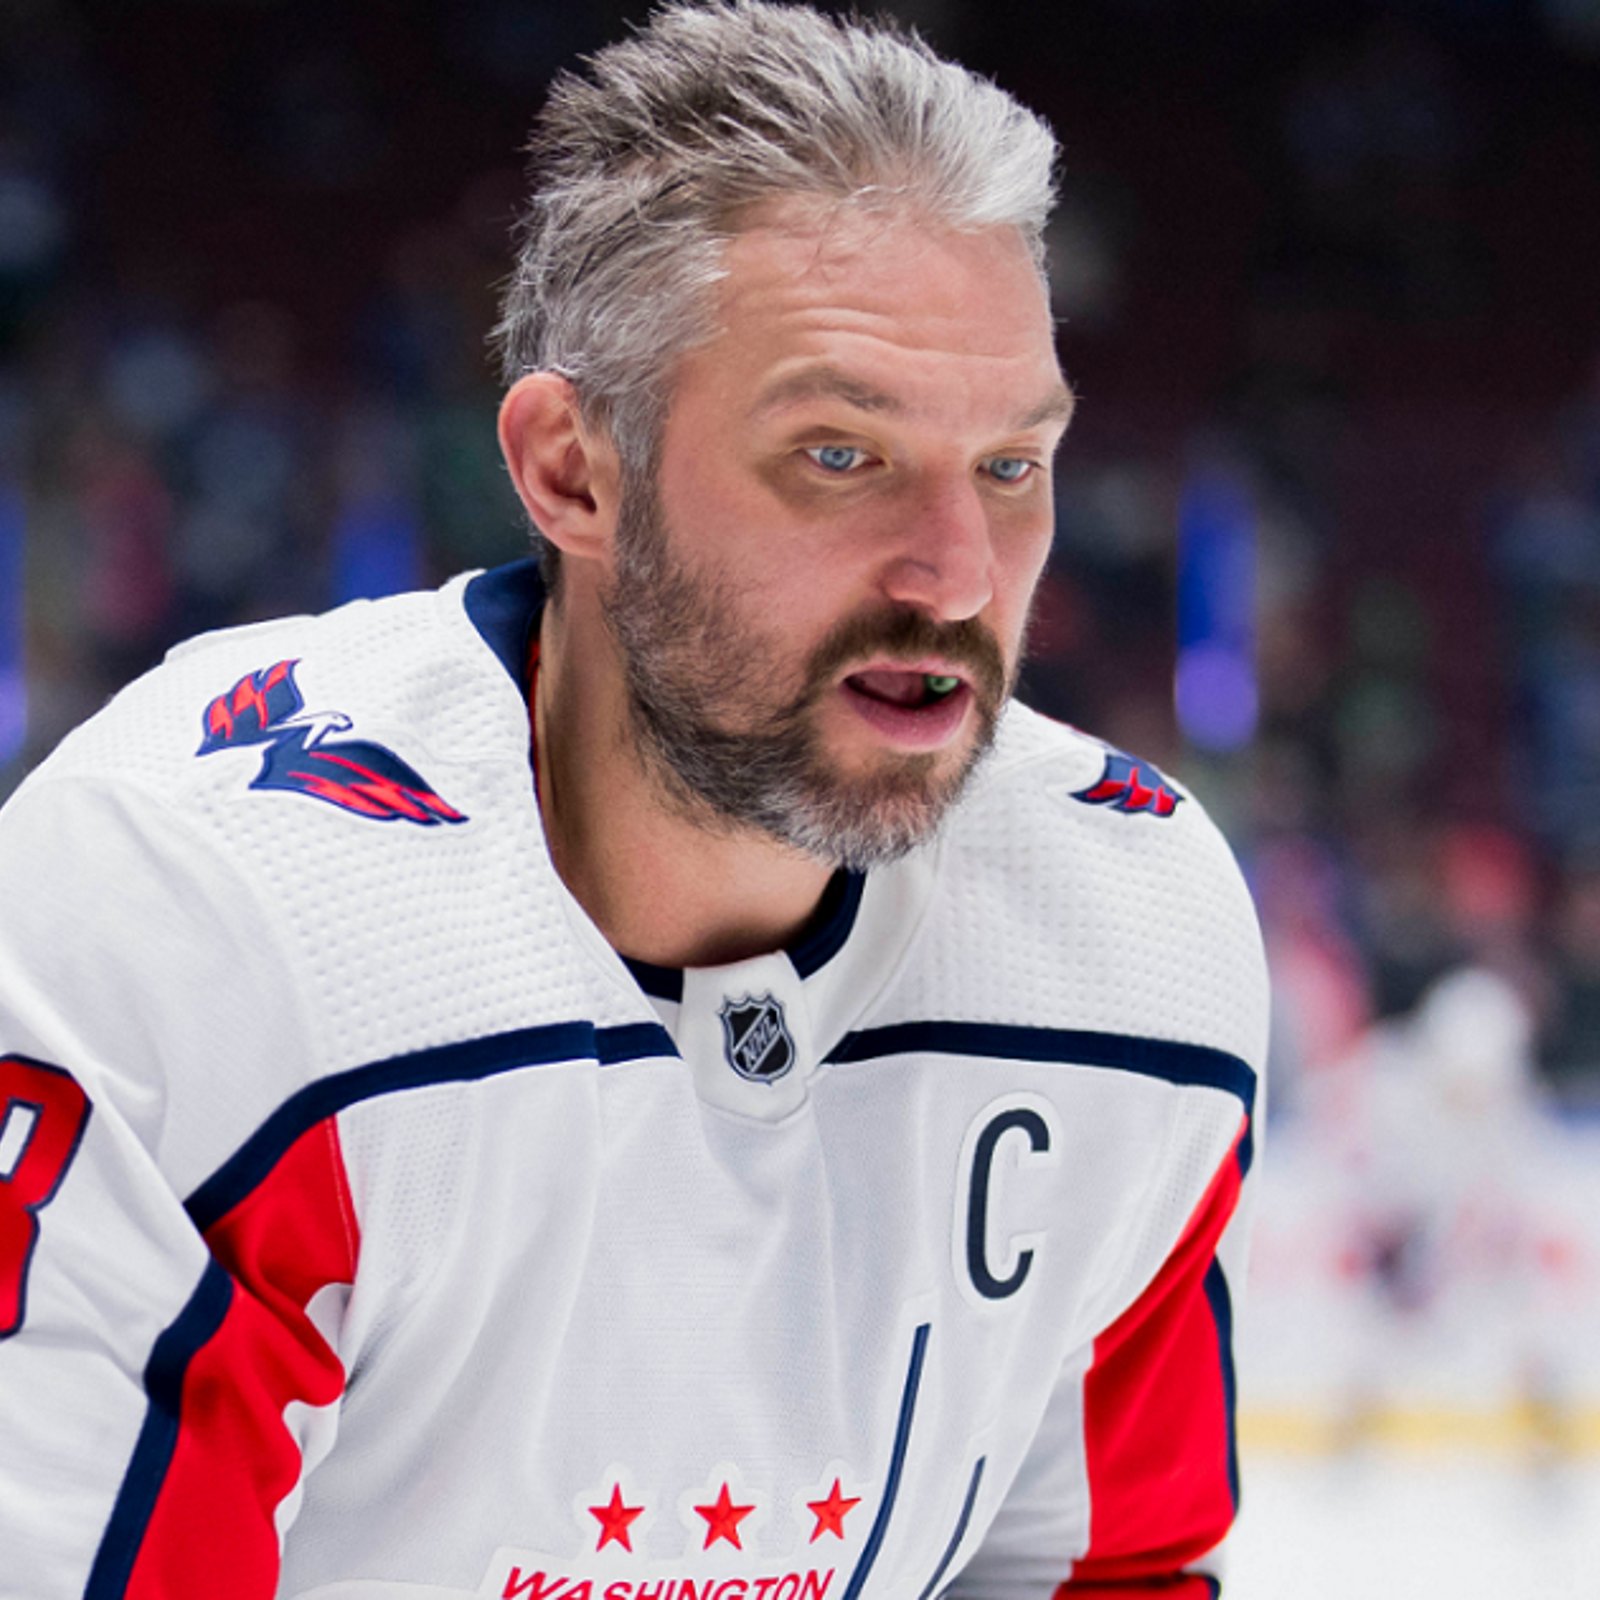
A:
x: 301, y: 754
x: 1128, y: 784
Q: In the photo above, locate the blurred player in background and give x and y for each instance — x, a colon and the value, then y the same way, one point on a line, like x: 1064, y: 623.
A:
x: 645, y: 1073
x: 1453, y: 1222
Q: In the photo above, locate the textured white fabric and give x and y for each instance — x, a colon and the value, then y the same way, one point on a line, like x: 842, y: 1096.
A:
x: 578, y: 1277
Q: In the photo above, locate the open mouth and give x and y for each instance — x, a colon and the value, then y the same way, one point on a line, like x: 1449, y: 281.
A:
x: 911, y: 710
x: 904, y: 690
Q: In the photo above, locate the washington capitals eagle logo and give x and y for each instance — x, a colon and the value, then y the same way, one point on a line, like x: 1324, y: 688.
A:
x: 300, y: 756
x: 1128, y: 784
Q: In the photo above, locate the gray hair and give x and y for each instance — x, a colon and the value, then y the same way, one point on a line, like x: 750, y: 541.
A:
x: 643, y: 165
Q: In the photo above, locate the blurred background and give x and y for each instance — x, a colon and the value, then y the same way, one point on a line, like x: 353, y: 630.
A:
x: 1328, y: 549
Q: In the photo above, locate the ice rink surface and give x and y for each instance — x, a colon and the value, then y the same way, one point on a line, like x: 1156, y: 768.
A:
x: 1396, y: 1526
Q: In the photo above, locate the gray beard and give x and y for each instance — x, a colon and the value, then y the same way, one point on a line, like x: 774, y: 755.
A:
x: 729, y: 761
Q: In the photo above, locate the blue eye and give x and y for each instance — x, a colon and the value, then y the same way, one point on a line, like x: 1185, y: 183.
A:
x: 1009, y: 469
x: 836, y: 458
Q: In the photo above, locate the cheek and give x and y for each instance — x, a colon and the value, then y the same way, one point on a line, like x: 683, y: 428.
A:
x: 727, y: 523
x: 1021, y: 565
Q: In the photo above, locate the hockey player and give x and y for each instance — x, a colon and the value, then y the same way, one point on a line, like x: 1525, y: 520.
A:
x: 644, y: 1076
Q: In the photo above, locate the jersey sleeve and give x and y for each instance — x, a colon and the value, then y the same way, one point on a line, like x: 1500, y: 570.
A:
x: 1131, y: 1485
x: 1158, y: 1404
x: 168, y: 1343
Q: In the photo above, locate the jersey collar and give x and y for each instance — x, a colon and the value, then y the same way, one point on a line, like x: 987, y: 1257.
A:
x: 504, y: 604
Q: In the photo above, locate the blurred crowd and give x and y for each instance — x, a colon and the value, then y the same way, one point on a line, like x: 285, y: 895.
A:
x: 1327, y: 266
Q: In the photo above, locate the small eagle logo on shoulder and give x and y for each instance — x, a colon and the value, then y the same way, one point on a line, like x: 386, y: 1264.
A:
x: 1128, y: 784
x: 266, y: 708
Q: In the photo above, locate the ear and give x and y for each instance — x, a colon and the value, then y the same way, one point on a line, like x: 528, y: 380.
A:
x: 566, y: 475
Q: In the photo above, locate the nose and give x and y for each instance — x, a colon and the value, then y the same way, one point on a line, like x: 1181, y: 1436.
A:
x: 943, y: 564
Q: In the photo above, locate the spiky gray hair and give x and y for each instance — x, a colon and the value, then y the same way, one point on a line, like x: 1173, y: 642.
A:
x: 643, y: 165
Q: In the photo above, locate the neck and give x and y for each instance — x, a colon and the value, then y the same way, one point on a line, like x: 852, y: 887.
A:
x: 659, y: 886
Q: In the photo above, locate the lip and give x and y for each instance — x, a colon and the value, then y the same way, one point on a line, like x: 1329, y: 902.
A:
x: 933, y: 666
x: 925, y: 728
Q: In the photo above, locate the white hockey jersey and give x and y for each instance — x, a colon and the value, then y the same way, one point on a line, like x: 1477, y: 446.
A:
x: 371, y: 1230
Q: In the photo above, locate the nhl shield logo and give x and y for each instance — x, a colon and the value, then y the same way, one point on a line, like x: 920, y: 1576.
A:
x: 756, y: 1039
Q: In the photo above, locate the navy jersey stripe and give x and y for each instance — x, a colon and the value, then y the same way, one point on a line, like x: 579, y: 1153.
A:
x: 823, y: 937
x: 465, y: 1062
x: 1168, y: 1059
x: 959, y: 1534
x: 660, y: 983
x: 829, y: 929
x: 897, y: 1461
x: 1221, y: 1302
x: 504, y: 606
x: 169, y: 1362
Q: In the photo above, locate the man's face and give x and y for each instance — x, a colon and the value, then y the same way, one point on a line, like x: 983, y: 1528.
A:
x: 820, y: 598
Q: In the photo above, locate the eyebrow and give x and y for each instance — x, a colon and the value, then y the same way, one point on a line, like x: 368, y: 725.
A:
x: 830, y: 383
x: 827, y: 383
x: 1058, y: 406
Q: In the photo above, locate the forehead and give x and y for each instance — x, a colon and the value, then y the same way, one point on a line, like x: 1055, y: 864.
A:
x: 886, y: 311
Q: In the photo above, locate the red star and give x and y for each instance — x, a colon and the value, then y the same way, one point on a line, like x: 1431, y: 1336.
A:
x: 723, y: 1519
x: 830, y: 1513
x: 615, y: 1520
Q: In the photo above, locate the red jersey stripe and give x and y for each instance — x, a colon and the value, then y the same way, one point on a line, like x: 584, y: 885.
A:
x: 1185, y: 1586
x: 1158, y: 1423
x: 234, y: 1460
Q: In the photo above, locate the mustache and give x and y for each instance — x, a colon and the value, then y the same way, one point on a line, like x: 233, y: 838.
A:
x: 908, y: 635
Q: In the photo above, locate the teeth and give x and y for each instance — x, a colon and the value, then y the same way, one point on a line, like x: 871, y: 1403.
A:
x: 939, y: 685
